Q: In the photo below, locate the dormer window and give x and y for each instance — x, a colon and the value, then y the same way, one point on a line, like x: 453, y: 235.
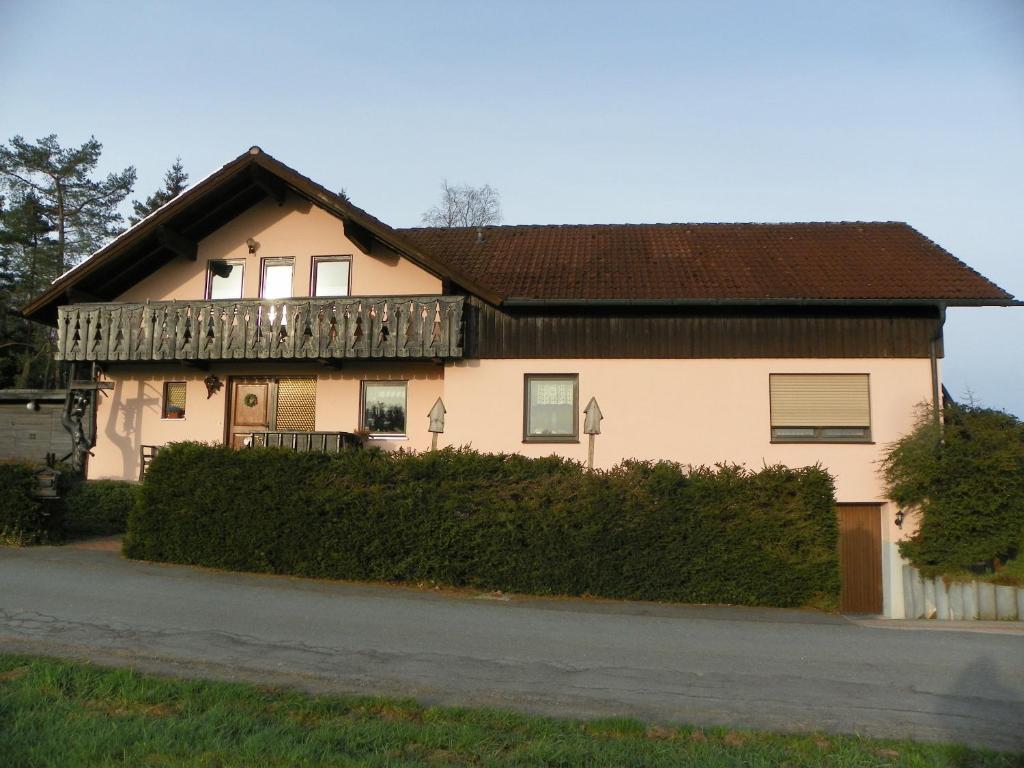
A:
x: 224, y: 279
x: 276, y: 280
x: 331, y: 275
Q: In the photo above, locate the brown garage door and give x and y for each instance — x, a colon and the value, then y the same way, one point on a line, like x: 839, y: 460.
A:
x: 860, y: 558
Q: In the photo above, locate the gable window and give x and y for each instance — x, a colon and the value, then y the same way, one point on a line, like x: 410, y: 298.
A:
x: 276, y: 278
x: 550, y: 408
x: 820, y: 407
x: 384, y: 408
x: 331, y: 275
x: 224, y: 279
x: 174, y: 400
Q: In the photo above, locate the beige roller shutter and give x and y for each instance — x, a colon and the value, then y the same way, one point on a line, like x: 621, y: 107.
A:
x: 820, y: 400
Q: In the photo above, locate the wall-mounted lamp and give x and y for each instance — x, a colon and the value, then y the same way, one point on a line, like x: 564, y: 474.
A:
x: 900, y: 514
x: 213, y: 385
x: 253, y: 245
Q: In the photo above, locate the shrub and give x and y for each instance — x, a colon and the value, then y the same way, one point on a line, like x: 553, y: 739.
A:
x: 98, y: 507
x: 653, y: 531
x: 966, y: 480
x: 25, y: 519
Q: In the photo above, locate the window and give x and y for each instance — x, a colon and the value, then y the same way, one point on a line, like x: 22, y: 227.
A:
x: 331, y: 275
x: 276, y: 280
x: 551, y: 408
x: 295, y: 409
x: 820, y: 407
x: 174, y: 400
x: 224, y: 279
x: 384, y: 407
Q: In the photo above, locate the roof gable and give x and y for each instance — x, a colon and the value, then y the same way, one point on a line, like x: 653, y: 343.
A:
x: 175, y: 229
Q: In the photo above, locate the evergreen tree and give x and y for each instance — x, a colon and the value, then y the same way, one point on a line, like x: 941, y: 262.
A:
x: 54, y: 213
x: 80, y: 211
x: 175, y: 182
x: 27, y: 253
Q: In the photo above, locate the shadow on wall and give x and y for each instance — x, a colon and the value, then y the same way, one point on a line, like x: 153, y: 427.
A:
x: 124, y: 422
x: 986, y: 700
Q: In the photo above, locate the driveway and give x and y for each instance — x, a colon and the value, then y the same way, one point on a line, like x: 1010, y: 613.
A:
x: 761, y: 668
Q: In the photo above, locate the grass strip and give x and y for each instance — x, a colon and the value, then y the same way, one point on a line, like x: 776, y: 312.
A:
x: 58, y: 713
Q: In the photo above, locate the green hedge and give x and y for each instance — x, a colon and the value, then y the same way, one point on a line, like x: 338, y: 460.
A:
x: 25, y: 519
x: 541, y: 526
x: 98, y: 507
x: 966, y: 482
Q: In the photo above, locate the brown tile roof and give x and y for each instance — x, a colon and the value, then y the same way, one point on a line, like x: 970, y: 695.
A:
x: 820, y: 261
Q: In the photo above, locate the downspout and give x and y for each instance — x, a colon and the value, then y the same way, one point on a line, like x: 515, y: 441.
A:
x: 933, y: 343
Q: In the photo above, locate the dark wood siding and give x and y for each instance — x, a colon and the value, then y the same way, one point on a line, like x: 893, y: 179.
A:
x: 622, y: 332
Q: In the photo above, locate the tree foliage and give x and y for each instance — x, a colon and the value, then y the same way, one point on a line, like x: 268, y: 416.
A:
x: 53, y: 213
x: 465, y: 206
x: 965, y: 480
x: 175, y: 182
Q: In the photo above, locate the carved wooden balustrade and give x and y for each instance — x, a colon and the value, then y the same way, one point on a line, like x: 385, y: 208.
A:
x: 414, y: 327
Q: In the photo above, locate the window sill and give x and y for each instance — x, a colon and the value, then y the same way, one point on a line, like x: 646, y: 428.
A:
x: 561, y: 440
x: 805, y: 441
x: 167, y: 418
x: 387, y: 437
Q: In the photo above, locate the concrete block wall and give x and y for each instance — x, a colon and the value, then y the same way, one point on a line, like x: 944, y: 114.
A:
x: 959, y: 601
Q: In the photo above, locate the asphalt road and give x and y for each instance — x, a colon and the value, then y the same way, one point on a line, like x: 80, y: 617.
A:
x: 786, y: 670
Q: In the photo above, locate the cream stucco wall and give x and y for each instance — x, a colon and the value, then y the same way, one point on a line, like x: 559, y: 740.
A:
x: 130, y: 415
x: 691, y: 411
x: 298, y: 230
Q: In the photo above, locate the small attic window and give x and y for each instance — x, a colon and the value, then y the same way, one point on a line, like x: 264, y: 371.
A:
x: 224, y: 279
x: 331, y: 275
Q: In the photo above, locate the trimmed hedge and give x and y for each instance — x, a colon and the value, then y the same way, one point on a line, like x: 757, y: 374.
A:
x: 967, y: 482
x: 98, y: 507
x: 542, y: 526
x: 25, y: 519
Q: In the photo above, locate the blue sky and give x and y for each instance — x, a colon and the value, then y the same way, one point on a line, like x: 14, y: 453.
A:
x: 576, y: 112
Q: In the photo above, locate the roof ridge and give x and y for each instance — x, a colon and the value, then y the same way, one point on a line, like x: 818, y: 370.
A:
x: 851, y: 222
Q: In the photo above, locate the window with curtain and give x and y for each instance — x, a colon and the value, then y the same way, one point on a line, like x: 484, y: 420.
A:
x: 174, y: 400
x: 551, y: 406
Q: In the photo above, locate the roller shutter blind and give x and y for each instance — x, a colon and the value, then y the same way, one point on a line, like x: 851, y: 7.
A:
x: 820, y: 400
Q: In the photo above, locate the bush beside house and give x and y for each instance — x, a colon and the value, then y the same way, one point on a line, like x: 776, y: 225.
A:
x: 966, y: 482
x: 456, y: 517
x: 98, y: 507
x: 25, y: 519
x: 83, y: 508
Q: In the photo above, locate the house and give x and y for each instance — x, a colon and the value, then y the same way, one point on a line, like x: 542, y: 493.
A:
x: 259, y: 307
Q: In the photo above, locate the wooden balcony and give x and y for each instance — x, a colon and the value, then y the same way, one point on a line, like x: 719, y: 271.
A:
x: 400, y: 327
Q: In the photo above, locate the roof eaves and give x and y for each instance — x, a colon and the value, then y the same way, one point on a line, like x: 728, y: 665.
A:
x: 134, y: 234
x: 517, y: 301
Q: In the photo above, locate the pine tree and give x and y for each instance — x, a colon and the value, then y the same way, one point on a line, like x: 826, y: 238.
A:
x: 175, y: 182
x: 80, y: 211
x: 27, y: 256
x: 54, y: 214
